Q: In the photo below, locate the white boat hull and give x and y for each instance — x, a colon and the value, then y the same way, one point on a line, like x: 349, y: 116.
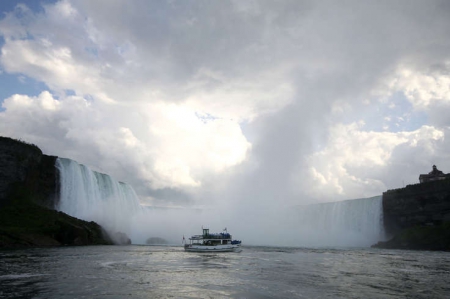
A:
x: 216, y: 248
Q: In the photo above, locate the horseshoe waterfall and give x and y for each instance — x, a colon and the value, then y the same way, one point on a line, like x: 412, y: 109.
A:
x: 94, y: 196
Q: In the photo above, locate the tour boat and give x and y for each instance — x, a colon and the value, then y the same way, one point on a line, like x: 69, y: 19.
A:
x: 207, y: 242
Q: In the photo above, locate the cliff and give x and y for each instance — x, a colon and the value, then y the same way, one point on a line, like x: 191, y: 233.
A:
x: 420, y: 237
x: 418, y: 216
x: 28, y: 191
x: 417, y: 205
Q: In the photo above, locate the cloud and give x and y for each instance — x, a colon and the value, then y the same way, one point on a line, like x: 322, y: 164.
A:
x: 269, y: 103
x: 355, y: 162
x: 162, y: 145
x: 423, y: 88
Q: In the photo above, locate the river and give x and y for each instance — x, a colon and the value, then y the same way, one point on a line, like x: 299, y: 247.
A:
x: 256, y: 272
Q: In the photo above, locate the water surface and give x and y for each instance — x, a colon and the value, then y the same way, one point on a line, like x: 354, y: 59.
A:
x: 256, y: 272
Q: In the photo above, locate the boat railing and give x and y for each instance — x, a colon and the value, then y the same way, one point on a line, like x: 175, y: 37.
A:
x: 211, y: 236
x: 218, y: 236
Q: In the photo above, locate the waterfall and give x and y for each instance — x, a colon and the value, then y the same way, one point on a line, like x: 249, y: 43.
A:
x: 95, y: 196
x: 357, y: 222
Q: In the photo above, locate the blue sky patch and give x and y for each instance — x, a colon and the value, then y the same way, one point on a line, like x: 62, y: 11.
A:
x: 11, y: 84
x: 396, y: 114
x: 35, y: 5
x: 70, y: 92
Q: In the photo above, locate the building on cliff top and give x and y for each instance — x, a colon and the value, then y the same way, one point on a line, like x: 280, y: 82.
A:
x: 434, y: 175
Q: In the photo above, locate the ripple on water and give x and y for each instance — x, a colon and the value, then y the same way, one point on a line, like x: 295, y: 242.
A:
x: 256, y: 272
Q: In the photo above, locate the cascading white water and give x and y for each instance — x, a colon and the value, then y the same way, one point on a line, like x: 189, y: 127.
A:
x: 94, y: 196
x: 357, y: 222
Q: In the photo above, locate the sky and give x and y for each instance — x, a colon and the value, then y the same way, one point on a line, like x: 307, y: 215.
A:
x: 268, y: 103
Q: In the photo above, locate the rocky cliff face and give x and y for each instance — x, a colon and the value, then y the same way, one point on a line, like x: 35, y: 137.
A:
x: 28, y: 193
x: 418, y: 216
x: 417, y: 205
x: 16, y: 159
x: 22, y: 163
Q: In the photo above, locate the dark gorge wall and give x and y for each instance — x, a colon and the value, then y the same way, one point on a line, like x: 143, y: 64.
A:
x: 28, y: 193
x: 421, y: 204
x: 24, y: 166
x: 418, y: 216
